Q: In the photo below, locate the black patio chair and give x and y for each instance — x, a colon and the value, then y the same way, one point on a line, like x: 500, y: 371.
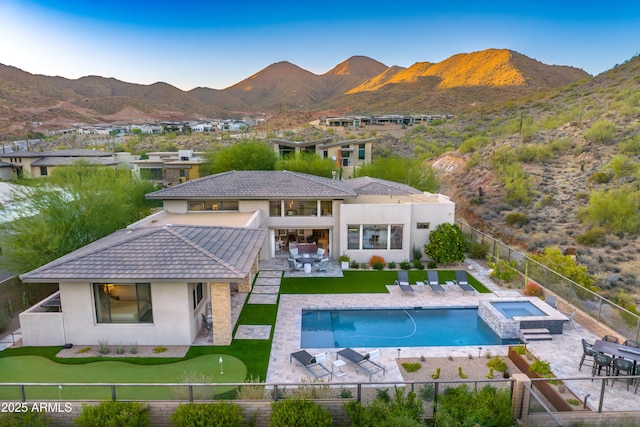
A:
x: 586, y: 352
x: 610, y: 338
x: 601, y: 361
x: 622, y: 365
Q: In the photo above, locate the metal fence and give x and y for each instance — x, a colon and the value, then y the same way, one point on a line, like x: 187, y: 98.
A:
x: 601, y: 309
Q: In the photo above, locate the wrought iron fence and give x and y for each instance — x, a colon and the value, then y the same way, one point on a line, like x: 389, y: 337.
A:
x: 601, y: 309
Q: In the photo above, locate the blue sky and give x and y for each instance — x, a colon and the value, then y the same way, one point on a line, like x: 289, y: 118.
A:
x: 216, y: 44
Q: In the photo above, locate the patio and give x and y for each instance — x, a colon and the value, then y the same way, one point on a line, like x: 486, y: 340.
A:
x: 563, y: 352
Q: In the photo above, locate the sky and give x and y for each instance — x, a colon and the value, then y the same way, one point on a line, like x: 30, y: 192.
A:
x: 215, y: 44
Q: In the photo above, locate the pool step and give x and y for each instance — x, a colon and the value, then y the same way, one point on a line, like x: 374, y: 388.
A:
x: 540, y: 334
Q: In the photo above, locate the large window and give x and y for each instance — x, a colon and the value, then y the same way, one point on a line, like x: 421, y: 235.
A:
x: 275, y: 208
x: 301, y: 207
x: 123, y: 303
x: 213, y: 205
x: 361, y: 151
x: 197, y: 294
x: 374, y: 236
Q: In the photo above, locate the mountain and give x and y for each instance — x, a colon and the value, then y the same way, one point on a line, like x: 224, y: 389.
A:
x: 358, y: 84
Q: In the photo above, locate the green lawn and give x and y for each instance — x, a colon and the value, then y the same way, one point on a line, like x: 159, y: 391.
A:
x: 37, y: 369
x: 355, y: 281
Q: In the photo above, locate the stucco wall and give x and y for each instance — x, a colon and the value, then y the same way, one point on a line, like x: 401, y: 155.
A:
x: 173, y: 319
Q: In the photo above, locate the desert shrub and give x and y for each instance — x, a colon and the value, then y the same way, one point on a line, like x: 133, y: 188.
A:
x: 345, y: 393
x: 251, y: 391
x: 497, y: 364
x: 411, y: 367
x: 391, y: 265
x: 220, y: 414
x: 427, y: 392
x: 417, y: 264
x: 474, y: 143
x: 488, y: 406
x: 520, y: 349
x: 542, y: 367
x: 595, y: 236
x: 476, y: 250
x: 616, y: 209
x: 517, y: 219
x: 298, y: 412
x: 416, y: 252
x: 473, y: 160
x: 199, y: 393
x: 113, y: 414
x: 402, y: 410
x: 23, y: 419
x: 405, y: 265
x: 103, y: 347
x: 518, y: 186
x: 354, y: 264
x: 504, y: 270
x: 432, y: 265
x: 600, y: 178
x: 533, y: 290
x: 312, y: 389
x: 436, y: 375
x: 553, y: 258
x: 631, y: 145
x: 377, y: 262
x: 159, y: 349
x: 601, y: 132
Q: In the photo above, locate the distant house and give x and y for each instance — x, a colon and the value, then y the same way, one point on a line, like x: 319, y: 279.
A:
x: 8, y: 171
x: 346, y: 154
x: 169, y: 167
x: 40, y: 163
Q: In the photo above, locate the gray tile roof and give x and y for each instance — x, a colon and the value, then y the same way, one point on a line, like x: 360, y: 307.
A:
x: 5, y: 164
x: 257, y: 185
x: 367, y: 186
x: 58, y: 153
x: 170, y: 253
x: 65, y: 161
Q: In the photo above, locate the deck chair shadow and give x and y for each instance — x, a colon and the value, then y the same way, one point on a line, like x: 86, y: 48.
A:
x: 433, y: 281
x: 363, y: 361
x: 403, y: 282
x: 463, y: 282
x: 313, y: 364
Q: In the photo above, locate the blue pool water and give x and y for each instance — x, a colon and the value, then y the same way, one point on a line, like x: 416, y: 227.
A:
x: 395, y: 328
x: 517, y: 308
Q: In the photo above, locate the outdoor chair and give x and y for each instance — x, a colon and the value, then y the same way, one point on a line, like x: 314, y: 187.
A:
x: 601, y: 361
x: 319, y: 254
x: 362, y: 361
x: 293, y: 252
x: 207, y: 323
x: 323, y: 264
x: 622, y: 365
x: 631, y: 343
x: 586, y: 352
x: 434, y: 282
x: 313, y: 364
x: 610, y: 338
x: 403, y: 282
x: 294, y: 265
x: 552, y: 301
x: 463, y: 282
x: 571, y: 317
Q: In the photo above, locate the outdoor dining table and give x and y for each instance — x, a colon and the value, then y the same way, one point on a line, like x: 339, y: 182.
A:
x: 617, y: 350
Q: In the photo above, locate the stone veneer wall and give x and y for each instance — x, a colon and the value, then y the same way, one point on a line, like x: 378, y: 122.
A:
x: 505, y: 328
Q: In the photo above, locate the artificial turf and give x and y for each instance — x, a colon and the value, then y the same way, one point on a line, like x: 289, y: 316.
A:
x: 37, y: 369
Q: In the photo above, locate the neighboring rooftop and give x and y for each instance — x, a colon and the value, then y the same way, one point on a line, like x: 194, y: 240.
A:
x: 169, y: 253
x: 59, y: 153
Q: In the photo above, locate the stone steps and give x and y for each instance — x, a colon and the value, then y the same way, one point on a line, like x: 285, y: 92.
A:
x: 540, y: 334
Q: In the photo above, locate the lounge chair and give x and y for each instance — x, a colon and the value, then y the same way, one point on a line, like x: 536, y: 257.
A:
x: 319, y: 254
x: 362, y: 361
x: 293, y: 253
x: 323, y: 264
x: 552, y: 301
x: 403, y: 282
x: 313, y: 364
x: 463, y: 282
x: 434, y: 282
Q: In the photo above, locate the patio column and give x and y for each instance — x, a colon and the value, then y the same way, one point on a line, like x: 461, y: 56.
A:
x: 520, y: 398
x: 221, y: 312
x: 245, y: 284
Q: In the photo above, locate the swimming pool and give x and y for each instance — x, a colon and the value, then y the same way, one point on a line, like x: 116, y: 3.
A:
x: 511, y: 309
x: 396, y: 328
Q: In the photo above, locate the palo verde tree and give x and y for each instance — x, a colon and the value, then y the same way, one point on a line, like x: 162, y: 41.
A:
x: 411, y: 172
x: 246, y: 155
x: 446, y: 244
x: 310, y: 163
x: 75, y: 206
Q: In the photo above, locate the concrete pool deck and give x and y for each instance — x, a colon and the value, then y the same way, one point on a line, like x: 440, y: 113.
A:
x: 563, y: 352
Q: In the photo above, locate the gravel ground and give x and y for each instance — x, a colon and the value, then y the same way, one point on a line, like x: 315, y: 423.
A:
x: 474, y: 369
x: 142, y: 351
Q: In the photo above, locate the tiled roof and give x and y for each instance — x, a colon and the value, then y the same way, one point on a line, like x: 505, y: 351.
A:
x: 59, y: 153
x: 367, y: 186
x: 5, y: 164
x: 257, y: 185
x: 65, y: 161
x: 169, y: 253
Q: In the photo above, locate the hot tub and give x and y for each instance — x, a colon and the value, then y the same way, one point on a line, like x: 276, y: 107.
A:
x: 507, y: 316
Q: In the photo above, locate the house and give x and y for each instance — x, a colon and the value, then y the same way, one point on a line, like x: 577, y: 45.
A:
x: 149, y: 286
x: 8, y: 171
x: 347, y: 154
x: 360, y: 217
x: 40, y: 163
x: 169, y: 168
